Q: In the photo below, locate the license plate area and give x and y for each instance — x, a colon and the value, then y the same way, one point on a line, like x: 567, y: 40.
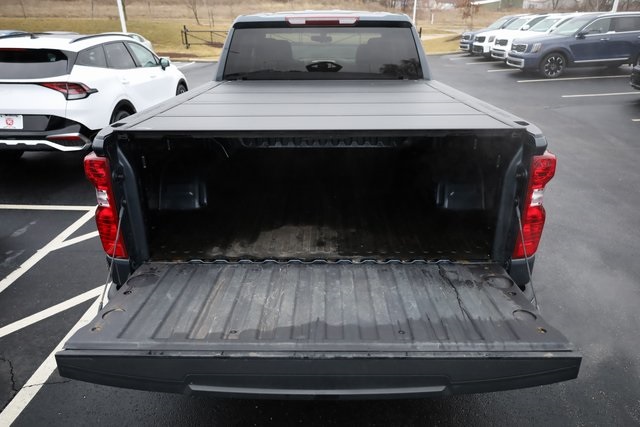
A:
x: 11, y: 121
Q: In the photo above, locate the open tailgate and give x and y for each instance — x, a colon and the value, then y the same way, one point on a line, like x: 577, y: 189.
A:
x: 319, y: 329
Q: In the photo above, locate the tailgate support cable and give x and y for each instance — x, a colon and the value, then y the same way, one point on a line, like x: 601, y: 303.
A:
x: 526, y: 258
x: 113, y: 255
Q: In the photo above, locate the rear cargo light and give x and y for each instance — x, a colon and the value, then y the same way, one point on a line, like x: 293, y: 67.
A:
x: 533, y: 216
x: 322, y: 20
x: 70, y: 91
x: 99, y: 173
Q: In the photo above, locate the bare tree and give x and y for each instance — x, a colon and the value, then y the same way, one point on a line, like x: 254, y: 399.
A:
x: 24, y: 12
x: 468, y: 11
x: 193, y: 5
x: 207, y: 3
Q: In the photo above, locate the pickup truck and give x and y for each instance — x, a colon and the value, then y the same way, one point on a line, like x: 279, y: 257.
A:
x: 323, y: 220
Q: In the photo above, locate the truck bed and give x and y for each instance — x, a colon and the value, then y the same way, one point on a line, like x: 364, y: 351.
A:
x: 308, y: 204
x: 191, y: 327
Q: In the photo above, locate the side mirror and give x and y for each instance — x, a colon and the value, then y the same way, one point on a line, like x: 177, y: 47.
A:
x: 164, y: 63
x: 526, y: 27
x: 580, y: 35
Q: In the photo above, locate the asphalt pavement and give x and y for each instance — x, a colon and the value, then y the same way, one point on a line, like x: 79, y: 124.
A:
x: 587, y: 277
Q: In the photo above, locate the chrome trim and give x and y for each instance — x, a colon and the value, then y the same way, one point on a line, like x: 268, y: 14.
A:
x: 35, y: 142
x: 602, y: 60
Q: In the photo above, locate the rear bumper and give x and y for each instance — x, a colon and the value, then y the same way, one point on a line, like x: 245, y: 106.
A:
x: 71, y: 137
x: 314, y: 375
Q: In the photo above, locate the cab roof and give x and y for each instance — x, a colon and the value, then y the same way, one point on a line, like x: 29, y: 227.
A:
x: 361, y: 15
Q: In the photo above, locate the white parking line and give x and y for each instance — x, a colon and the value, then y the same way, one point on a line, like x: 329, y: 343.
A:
x: 47, y: 207
x: 588, y: 95
x: 502, y: 71
x: 181, y: 65
x: 564, y: 79
x: 76, y: 240
x: 41, y: 253
x: 51, y: 311
x: 13, y: 410
x: 635, y: 120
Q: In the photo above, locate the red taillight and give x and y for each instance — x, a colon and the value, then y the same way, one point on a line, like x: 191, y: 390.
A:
x: 322, y: 20
x: 70, y: 90
x: 542, y: 170
x: 98, y: 171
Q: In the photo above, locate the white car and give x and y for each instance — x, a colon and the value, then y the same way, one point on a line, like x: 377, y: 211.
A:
x: 58, y: 91
x: 502, y: 44
x: 484, y: 40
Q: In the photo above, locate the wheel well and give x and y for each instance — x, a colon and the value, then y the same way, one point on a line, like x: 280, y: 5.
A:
x: 124, y: 105
x: 183, y: 82
x: 562, y: 52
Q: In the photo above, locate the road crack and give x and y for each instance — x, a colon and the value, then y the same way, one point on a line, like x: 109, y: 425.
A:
x: 47, y: 383
x: 14, y: 387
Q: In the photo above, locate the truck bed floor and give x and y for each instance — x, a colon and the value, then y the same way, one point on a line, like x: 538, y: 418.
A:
x: 326, y: 307
x: 321, y: 223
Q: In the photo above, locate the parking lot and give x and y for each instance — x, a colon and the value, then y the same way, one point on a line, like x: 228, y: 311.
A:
x: 586, y: 277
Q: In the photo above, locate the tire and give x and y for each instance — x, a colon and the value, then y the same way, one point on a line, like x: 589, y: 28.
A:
x: 182, y: 88
x: 553, y: 65
x: 119, y: 115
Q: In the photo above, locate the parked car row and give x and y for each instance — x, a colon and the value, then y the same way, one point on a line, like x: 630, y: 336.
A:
x: 550, y: 43
x: 59, y: 89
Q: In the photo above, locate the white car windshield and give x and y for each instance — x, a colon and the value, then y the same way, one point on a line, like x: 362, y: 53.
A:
x: 517, y: 24
x: 544, y: 25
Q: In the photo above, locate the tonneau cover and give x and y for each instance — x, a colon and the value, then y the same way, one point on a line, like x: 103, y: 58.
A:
x: 372, y: 105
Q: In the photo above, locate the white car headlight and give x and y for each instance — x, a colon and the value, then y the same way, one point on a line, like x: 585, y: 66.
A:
x: 536, y: 47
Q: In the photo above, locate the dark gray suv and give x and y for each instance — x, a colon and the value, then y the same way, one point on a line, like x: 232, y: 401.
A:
x: 610, y: 39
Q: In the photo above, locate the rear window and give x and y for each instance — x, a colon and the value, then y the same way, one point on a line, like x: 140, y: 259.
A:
x: 317, y: 53
x: 31, y: 63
